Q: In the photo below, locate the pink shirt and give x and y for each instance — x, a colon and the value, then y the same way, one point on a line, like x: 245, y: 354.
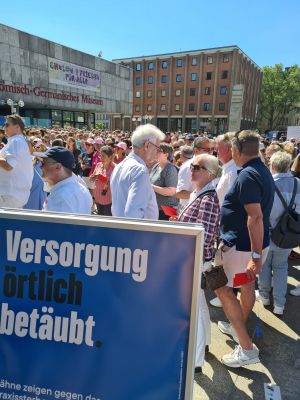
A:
x: 100, y: 186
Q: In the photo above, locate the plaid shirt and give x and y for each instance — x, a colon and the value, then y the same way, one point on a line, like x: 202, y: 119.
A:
x: 204, y: 210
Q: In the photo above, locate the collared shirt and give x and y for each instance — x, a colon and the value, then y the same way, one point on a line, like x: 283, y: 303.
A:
x: 229, y: 174
x: 69, y: 196
x: 16, y: 182
x: 185, y: 180
x: 132, y: 193
x: 203, y: 208
x: 254, y: 185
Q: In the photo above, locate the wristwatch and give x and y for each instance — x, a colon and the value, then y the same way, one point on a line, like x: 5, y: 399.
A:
x: 255, y: 256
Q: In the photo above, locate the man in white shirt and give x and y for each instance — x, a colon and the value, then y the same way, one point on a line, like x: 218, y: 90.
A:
x: 202, y: 145
x: 16, y: 168
x: 67, y: 194
x: 132, y: 192
x: 229, y: 174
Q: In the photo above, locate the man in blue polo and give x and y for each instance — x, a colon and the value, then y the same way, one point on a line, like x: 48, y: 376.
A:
x: 244, y: 231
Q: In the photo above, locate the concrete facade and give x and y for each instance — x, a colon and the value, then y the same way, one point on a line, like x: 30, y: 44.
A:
x: 24, y: 75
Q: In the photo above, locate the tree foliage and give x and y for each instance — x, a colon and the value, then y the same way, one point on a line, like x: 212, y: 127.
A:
x: 280, y: 93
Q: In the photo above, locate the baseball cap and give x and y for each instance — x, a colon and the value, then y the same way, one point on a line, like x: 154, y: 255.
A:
x: 189, y: 136
x: 61, y: 155
x: 122, y: 145
x: 99, y: 140
x: 90, y: 141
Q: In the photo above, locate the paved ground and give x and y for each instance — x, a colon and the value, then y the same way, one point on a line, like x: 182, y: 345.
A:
x: 279, y: 353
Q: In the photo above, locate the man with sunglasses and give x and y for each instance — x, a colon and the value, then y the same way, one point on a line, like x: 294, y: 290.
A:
x: 132, y: 192
x: 16, y: 168
x: 244, y: 233
x: 202, y: 145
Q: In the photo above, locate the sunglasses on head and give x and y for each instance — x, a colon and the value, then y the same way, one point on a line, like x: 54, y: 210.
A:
x: 89, y: 144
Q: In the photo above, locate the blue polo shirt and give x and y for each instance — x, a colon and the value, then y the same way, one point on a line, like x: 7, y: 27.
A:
x: 254, y: 184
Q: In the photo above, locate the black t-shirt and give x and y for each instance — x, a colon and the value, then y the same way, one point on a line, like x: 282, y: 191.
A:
x: 87, y: 161
x: 254, y: 184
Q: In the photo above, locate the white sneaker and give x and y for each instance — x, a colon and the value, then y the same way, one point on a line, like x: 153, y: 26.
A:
x: 296, y: 291
x: 278, y: 310
x: 227, y: 328
x: 240, y: 357
x: 264, y: 300
x: 216, y: 302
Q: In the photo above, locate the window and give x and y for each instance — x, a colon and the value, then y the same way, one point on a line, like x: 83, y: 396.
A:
x: 163, y: 92
x: 179, y: 63
x: 194, y: 61
x: 221, y: 106
x: 207, y: 90
x: 209, y: 59
x: 177, y: 92
x: 177, y: 107
x: 138, y: 67
x: 223, y: 89
x: 164, y: 79
x: 150, y: 66
x: 208, y: 76
x: 149, y: 107
x: 150, y: 79
x: 192, y: 92
x: 224, y: 75
x: 138, y: 80
x: 163, y: 107
x: 149, y: 93
x: 206, y: 107
x: 178, y: 78
x: 137, y: 108
x: 192, y: 107
x: 225, y: 58
x: 164, y: 65
x: 137, y: 94
x: 193, y: 77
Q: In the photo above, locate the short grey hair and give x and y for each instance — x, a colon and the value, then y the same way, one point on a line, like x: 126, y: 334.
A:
x: 211, y: 163
x: 144, y: 133
x: 281, y: 161
x: 226, y: 138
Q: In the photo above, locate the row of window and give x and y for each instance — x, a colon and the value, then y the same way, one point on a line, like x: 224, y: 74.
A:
x: 224, y: 75
x: 164, y: 64
x: 192, y: 107
x: 207, y: 91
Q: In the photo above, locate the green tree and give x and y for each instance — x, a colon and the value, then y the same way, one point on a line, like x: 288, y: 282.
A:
x: 280, y: 93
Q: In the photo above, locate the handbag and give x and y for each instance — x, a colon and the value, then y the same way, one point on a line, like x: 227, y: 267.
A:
x: 214, y: 278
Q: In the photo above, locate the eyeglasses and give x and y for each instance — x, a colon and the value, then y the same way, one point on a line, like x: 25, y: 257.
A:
x: 89, y: 144
x: 206, y: 149
x: 158, y: 149
x: 176, y: 147
x: 197, y: 167
x: 46, y: 162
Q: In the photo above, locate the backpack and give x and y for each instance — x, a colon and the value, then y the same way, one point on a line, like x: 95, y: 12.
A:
x: 286, y: 233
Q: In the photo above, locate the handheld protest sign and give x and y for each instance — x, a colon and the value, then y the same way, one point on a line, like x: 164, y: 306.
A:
x: 97, y: 308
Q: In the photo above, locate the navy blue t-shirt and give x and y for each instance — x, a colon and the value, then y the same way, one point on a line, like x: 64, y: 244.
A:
x: 254, y: 184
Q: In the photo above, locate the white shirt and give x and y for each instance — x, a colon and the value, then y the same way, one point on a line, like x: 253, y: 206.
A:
x: 229, y: 174
x: 185, y: 180
x: 69, y: 196
x: 16, y: 182
x: 131, y: 189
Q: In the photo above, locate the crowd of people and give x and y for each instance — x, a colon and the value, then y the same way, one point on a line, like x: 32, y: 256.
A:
x: 226, y: 183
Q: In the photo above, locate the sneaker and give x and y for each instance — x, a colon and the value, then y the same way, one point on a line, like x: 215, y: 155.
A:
x: 227, y: 328
x: 296, y: 291
x: 216, y: 302
x: 278, y: 310
x: 240, y: 357
x: 264, y: 300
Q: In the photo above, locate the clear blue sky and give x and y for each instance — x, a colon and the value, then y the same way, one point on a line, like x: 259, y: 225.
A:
x: 266, y: 30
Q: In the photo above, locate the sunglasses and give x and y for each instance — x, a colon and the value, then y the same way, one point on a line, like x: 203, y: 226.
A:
x: 89, y: 144
x: 196, y: 167
x: 158, y: 149
x: 176, y: 147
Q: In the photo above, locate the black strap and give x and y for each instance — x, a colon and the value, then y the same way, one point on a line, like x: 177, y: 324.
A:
x: 290, y: 206
x: 200, y: 194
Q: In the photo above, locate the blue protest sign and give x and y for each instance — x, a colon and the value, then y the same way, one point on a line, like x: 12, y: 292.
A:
x: 95, y: 309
